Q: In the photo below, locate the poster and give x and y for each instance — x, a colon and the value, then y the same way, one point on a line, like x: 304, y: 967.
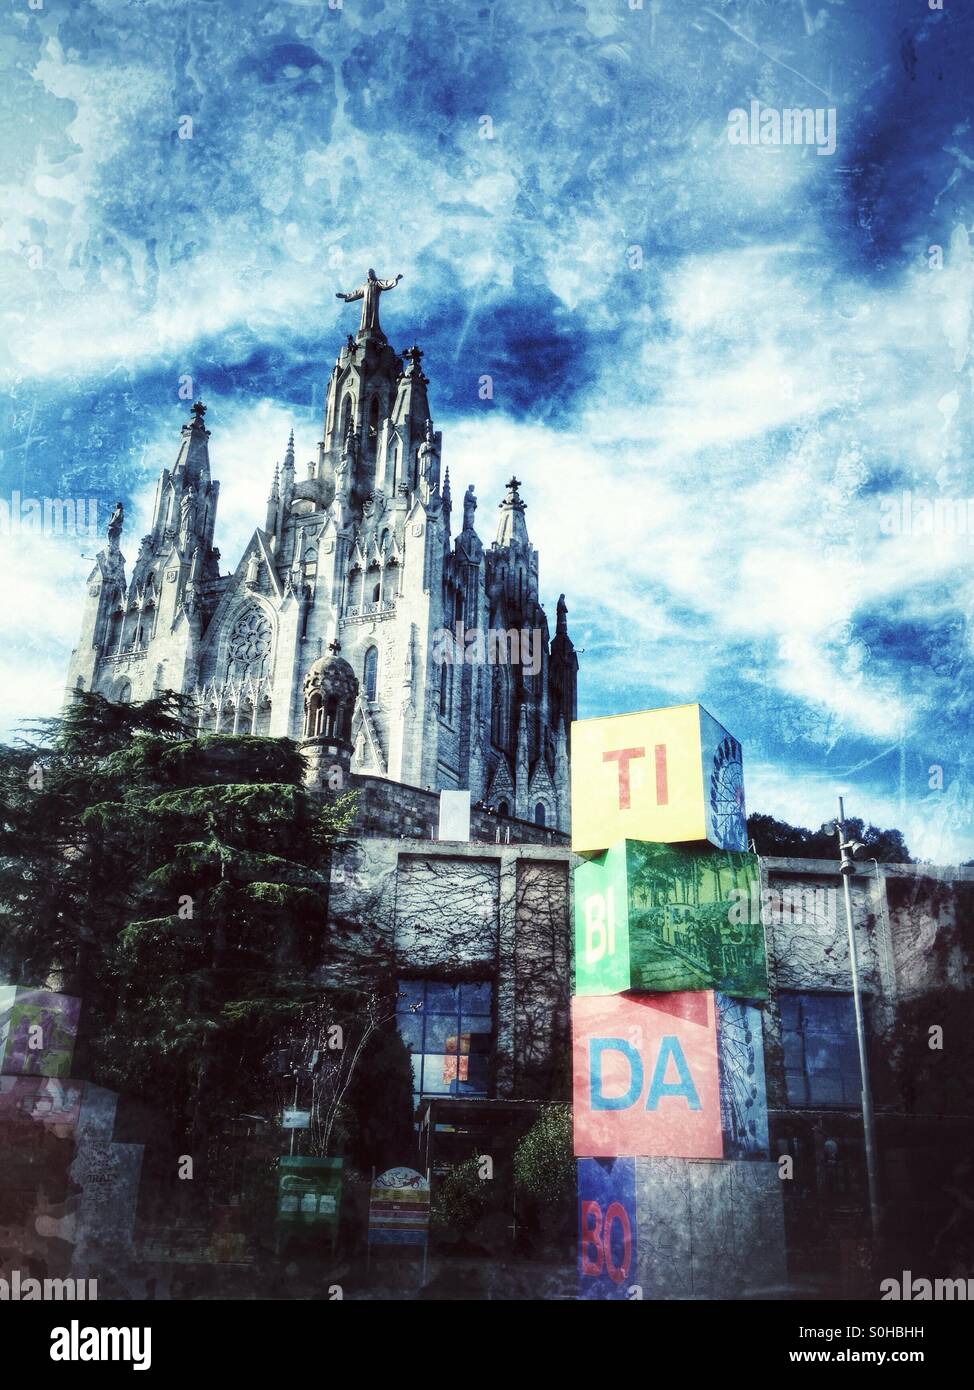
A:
x: 671, y: 775
x: 309, y: 1191
x: 399, y: 1208
x: 654, y: 917
x: 606, y: 1227
x: 37, y: 1031
x: 646, y: 1078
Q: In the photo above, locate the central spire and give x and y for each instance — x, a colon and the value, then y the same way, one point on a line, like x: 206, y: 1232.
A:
x: 511, y: 526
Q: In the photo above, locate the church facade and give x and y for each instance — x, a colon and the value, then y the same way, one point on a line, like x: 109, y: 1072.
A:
x: 359, y: 569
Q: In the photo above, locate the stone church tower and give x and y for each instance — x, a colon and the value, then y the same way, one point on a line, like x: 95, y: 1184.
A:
x: 459, y: 684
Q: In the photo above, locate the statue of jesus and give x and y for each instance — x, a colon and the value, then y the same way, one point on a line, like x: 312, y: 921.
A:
x: 369, y: 295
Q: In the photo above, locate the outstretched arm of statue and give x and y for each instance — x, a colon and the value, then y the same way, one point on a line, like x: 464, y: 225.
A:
x: 389, y: 284
x: 355, y: 294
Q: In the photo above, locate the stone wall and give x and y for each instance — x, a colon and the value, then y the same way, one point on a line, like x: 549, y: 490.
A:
x: 394, y: 809
x: 454, y: 911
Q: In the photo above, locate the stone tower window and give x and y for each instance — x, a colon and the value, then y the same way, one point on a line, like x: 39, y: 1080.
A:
x: 539, y: 814
x: 370, y: 673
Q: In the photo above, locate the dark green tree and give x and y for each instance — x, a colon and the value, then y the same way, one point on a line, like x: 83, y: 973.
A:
x: 180, y: 886
x: 775, y: 837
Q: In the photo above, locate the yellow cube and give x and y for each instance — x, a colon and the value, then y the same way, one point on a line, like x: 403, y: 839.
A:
x: 670, y: 775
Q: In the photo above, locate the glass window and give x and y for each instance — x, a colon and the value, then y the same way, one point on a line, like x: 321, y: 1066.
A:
x: 476, y: 999
x: 449, y: 1031
x: 370, y: 672
x: 821, y: 1057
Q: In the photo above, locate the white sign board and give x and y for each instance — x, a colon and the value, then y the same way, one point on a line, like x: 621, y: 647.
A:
x: 297, y: 1119
x: 454, y: 816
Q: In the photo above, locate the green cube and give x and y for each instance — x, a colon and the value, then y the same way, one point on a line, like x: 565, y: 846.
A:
x: 658, y: 918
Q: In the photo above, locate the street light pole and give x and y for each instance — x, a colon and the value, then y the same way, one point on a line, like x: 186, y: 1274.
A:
x: 847, y: 849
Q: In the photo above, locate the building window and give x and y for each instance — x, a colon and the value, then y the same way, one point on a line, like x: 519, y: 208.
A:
x: 370, y: 673
x: 449, y: 1031
x: 539, y: 814
x: 446, y: 691
x: 818, y: 1035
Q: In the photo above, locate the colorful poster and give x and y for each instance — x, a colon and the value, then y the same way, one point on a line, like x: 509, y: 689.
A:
x: 37, y: 1032
x: 606, y: 1227
x: 646, y: 1078
x: 48, y: 1101
x: 669, y: 775
x: 399, y: 1208
x: 655, y: 918
x: 309, y: 1191
x: 743, y: 1098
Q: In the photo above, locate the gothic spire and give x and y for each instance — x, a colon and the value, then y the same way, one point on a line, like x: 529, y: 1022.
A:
x: 511, y: 527
x: 193, y: 460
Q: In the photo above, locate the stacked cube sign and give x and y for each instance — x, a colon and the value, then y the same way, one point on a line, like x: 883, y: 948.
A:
x: 667, y: 1049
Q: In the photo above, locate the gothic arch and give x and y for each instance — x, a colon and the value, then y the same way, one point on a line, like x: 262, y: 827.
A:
x: 372, y: 432
x: 370, y: 673
x: 347, y: 405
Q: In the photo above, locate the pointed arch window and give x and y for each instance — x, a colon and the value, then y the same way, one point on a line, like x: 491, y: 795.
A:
x: 446, y: 690
x: 373, y: 431
x: 346, y: 416
x: 390, y: 580
x: 370, y: 673
x: 540, y: 814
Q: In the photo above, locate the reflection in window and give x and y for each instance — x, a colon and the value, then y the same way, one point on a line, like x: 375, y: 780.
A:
x: 818, y: 1035
x: 449, y: 1032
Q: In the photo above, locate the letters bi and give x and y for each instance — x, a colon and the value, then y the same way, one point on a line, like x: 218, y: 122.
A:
x: 600, y: 926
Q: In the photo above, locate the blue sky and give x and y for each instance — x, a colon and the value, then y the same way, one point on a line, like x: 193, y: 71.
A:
x: 707, y: 428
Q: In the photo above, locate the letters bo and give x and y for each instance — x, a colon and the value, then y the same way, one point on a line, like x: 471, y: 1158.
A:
x: 606, y: 1227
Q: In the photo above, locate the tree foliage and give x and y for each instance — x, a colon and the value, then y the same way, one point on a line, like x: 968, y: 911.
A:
x: 775, y: 837
x: 179, y: 885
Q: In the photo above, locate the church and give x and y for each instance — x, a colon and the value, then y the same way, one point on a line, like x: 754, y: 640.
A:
x: 350, y: 619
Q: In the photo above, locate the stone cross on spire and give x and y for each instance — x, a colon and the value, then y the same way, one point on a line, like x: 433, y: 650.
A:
x: 369, y: 295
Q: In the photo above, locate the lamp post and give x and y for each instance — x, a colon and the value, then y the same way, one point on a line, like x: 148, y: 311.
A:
x: 847, y: 848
